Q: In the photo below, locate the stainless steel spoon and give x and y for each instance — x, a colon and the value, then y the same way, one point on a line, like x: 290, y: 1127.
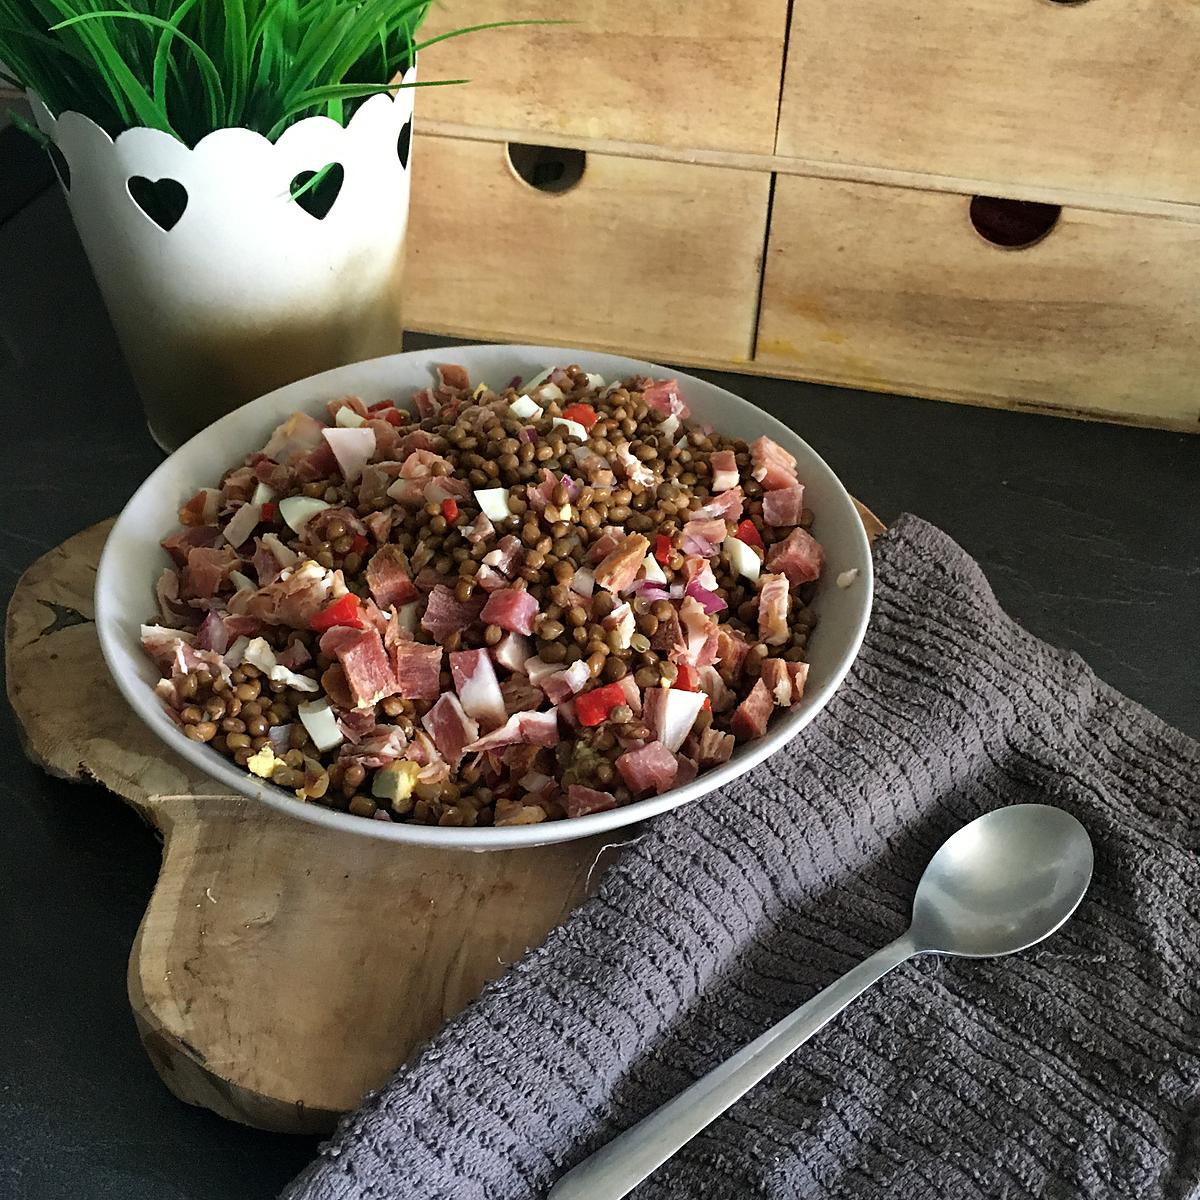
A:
x: 1000, y: 884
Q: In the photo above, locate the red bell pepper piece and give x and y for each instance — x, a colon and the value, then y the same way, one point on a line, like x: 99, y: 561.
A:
x: 341, y: 612
x: 593, y: 707
x: 662, y: 548
x: 393, y: 416
x: 269, y: 511
x: 381, y: 405
x: 688, y: 679
x: 450, y: 510
x: 359, y: 544
x: 584, y: 414
x: 747, y: 533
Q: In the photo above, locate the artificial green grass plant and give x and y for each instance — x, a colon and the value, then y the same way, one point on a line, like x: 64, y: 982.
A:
x: 189, y: 67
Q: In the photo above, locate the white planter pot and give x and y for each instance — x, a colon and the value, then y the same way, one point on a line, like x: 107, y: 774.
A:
x: 247, y: 290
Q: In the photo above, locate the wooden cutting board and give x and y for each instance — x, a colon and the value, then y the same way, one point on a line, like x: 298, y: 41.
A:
x: 281, y: 970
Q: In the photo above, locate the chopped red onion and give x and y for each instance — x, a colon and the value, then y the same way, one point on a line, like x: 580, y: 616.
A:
x: 705, y: 597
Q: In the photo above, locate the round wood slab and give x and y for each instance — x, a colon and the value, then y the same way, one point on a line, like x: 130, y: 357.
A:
x: 281, y: 970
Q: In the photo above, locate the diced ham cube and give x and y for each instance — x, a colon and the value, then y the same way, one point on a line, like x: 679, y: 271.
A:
x: 652, y: 768
x: 630, y: 467
x: 620, y: 566
x: 453, y: 376
x: 778, y: 679
x: 560, y: 686
x: 379, y: 746
x: 715, y: 747
x: 536, y: 728
x: 771, y: 464
x: 379, y: 525
x: 294, y: 438
x: 207, y: 570
x: 703, y: 536
x: 602, y: 547
x: 511, y: 609
x: 488, y: 579
x: 446, y: 614
x: 688, y: 770
x: 389, y: 579
x: 751, y: 717
x: 727, y: 505
x: 799, y: 674
x: 699, y: 639
x: 724, y: 470
x: 583, y: 800
x: 178, y: 545
x: 773, y: 597
x: 362, y: 657
x: 506, y: 556
x: 798, y: 556
x: 480, y: 530
x: 450, y: 727
x: 664, y: 397
x: 783, y: 506
x: 719, y: 695
x: 477, y: 686
x: 732, y: 649
x: 417, y: 668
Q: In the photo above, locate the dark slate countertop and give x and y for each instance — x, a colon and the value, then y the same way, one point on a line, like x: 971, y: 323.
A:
x: 1088, y: 533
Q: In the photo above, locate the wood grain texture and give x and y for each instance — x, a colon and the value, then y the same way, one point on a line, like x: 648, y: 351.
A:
x: 639, y: 257
x: 280, y: 971
x: 929, y: 180
x: 676, y: 72
x: 1101, y: 96
x: 892, y: 289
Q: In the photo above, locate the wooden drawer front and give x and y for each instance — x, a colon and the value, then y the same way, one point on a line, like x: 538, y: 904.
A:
x: 638, y: 256
x: 695, y: 73
x: 893, y: 289
x: 1102, y: 96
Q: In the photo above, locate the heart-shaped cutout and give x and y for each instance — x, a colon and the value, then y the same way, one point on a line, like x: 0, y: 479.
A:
x: 404, y: 143
x: 162, y: 200
x: 316, y: 191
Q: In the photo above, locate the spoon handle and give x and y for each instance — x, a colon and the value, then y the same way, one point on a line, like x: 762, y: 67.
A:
x: 617, y: 1168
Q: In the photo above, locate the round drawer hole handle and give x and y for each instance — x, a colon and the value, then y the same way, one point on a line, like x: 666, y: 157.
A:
x: 546, y: 168
x: 1012, y: 224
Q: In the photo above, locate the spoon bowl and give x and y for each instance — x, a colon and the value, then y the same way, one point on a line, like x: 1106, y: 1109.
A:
x: 1002, y: 883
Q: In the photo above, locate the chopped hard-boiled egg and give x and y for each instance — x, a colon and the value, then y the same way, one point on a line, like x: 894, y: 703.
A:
x: 347, y: 418
x: 297, y: 511
x: 525, y: 408
x: 259, y: 654
x: 742, y: 558
x: 537, y: 380
x: 263, y: 762
x: 572, y: 427
x: 652, y: 571
x: 493, y: 503
x: 318, y: 719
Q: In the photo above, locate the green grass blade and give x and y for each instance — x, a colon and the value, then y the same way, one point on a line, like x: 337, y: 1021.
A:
x: 205, y: 63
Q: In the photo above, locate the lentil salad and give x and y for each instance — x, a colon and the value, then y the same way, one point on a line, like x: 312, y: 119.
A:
x: 500, y: 608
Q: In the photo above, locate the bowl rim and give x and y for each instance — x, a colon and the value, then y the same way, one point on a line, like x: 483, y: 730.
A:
x: 216, y: 767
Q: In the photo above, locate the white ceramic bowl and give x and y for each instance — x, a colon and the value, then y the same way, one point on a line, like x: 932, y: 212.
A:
x: 133, y: 560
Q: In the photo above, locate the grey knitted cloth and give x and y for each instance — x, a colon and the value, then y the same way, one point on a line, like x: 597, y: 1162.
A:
x: 1070, y: 1070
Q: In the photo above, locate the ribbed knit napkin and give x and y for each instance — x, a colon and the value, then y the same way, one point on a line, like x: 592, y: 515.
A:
x: 1069, y: 1070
